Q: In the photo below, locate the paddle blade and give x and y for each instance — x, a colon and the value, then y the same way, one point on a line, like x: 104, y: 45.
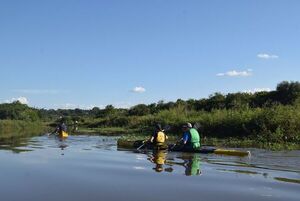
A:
x: 167, y: 128
x: 197, y: 125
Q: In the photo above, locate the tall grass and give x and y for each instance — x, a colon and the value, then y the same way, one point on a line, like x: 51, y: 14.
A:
x: 19, y: 128
x: 276, y: 124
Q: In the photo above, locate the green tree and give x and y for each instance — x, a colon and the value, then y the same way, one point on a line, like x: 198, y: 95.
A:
x: 18, y: 111
x: 287, y: 92
x: 139, y: 110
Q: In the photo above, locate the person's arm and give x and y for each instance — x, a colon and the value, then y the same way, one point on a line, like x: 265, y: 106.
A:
x: 56, y: 130
x: 185, y: 137
x: 151, y: 139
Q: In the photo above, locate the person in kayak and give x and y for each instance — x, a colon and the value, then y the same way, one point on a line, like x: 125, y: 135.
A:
x: 158, y: 139
x: 61, y: 128
x: 75, y: 126
x: 190, y: 138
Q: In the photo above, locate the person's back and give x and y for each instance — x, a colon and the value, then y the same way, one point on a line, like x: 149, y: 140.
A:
x: 159, y: 137
x: 194, y: 138
x: 63, y: 127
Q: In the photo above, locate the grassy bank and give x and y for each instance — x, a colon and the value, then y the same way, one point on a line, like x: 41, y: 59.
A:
x: 276, y: 124
x: 20, y: 128
x: 108, y: 131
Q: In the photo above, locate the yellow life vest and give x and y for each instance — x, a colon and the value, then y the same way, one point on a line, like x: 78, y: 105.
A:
x: 161, y: 137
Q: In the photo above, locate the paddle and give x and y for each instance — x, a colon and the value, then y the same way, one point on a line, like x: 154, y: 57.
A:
x: 166, y: 128
x: 174, y: 145
x: 197, y: 125
x: 52, y: 134
x: 144, y: 142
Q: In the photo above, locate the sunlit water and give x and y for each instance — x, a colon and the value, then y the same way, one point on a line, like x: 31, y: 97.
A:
x: 91, y: 168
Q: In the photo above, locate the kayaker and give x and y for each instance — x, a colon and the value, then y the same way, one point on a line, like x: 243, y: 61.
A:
x: 61, y: 128
x: 75, y: 126
x: 159, y: 137
x: 190, y: 138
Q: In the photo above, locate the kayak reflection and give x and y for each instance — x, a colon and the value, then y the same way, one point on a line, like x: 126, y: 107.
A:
x: 62, y: 144
x: 191, y: 162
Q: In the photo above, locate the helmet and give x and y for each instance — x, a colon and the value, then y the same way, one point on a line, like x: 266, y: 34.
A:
x: 189, y: 125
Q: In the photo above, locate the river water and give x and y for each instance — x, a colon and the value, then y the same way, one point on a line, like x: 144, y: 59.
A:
x: 92, y: 168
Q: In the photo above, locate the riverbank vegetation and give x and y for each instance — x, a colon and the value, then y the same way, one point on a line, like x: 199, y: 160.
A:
x: 264, y: 117
x: 20, y: 128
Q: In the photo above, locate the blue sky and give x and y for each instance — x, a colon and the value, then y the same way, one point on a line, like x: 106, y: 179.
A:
x: 78, y: 53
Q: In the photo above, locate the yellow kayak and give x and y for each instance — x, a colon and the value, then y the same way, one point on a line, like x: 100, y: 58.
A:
x: 63, y: 134
x: 231, y: 152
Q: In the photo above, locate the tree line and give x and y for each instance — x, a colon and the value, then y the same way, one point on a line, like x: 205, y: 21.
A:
x: 273, y: 115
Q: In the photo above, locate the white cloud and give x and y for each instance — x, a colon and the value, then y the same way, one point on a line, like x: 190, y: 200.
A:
x: 21, y: 99
x: 267, y: 56
x: 138, y: 90
x: 252, y: 91
x: 235, y: 73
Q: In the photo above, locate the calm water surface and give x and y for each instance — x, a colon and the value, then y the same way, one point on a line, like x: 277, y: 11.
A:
x: 92, y: 168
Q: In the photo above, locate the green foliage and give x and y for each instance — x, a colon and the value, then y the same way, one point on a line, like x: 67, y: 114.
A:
x: 18, y: 111
x: 287, y: 92
x: 266, y: 117
x: 13, y: 128
x: 139, y: 110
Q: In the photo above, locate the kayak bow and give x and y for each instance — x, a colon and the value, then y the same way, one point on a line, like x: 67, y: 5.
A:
x: 63, y: 134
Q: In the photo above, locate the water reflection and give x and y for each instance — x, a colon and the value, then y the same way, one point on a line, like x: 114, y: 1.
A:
x: 159, y: 158
x: 16, y: 145
x: 163, y: 162
x: 27, y: 144
x: 93, y: 149
x: 288, y: 180
x: 62, y: 144
x: 192, y: 165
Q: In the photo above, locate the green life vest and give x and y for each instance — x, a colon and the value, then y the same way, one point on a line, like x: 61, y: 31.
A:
x: 195, y: 138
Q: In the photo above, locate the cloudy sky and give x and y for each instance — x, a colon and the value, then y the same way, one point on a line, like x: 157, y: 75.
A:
x: 77, y: 53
